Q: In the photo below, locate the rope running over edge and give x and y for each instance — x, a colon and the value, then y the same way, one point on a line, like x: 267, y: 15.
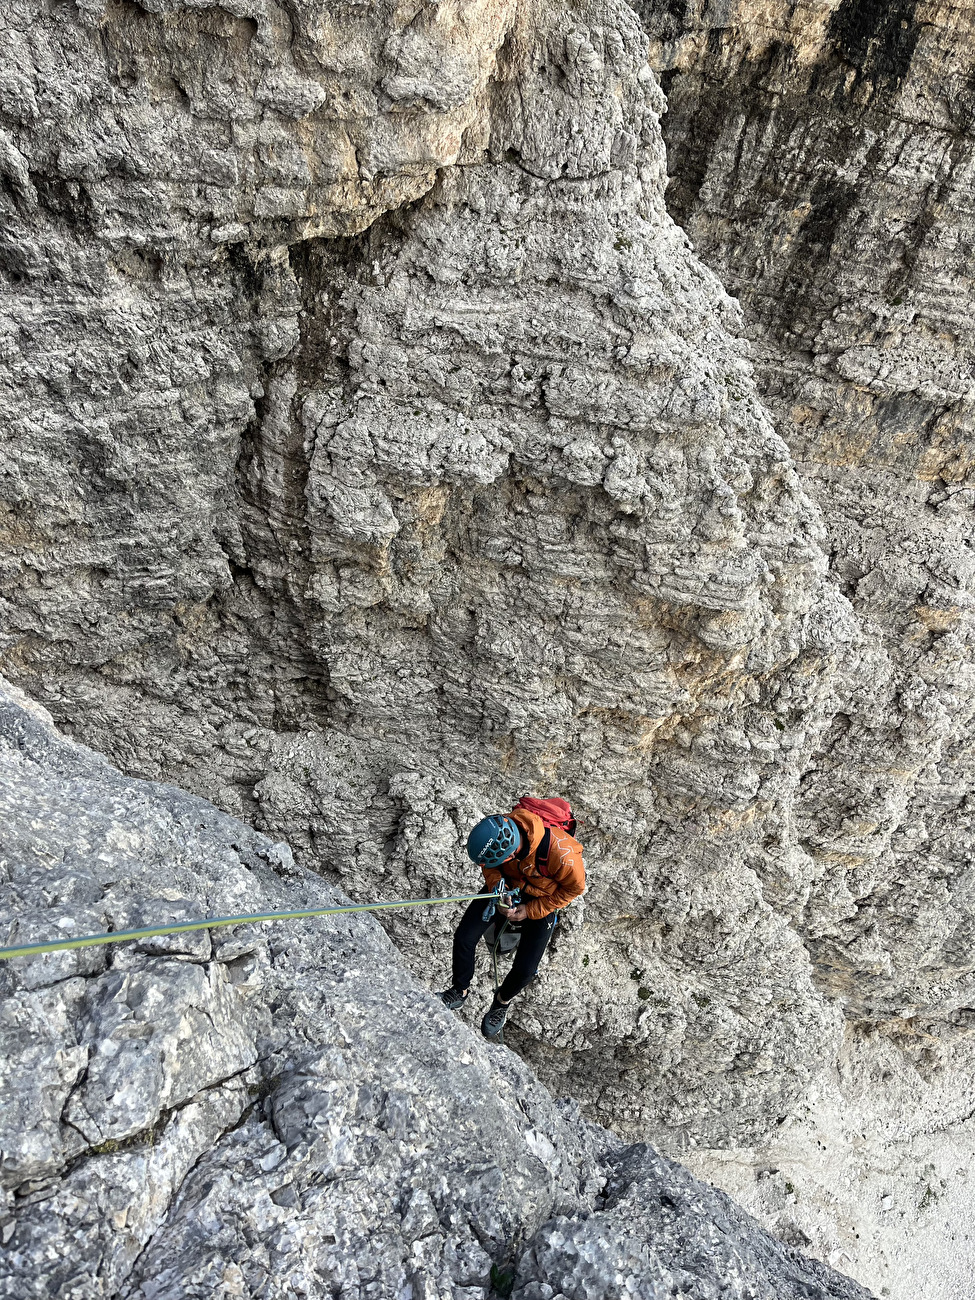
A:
x: 124, y: 936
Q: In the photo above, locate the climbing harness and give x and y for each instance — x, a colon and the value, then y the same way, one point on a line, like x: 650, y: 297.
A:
x: 506, y: 897
x: 211, y: 922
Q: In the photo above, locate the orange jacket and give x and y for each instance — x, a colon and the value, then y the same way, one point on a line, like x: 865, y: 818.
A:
x: 564, y: 878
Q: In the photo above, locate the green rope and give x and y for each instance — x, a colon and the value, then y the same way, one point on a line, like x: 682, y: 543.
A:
x: 211, y: 922
x: 495, y: 948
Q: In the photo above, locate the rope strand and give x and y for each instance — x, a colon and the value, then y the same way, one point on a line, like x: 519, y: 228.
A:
x: 253, y: 918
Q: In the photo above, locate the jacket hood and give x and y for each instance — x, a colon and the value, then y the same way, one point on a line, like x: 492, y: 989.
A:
x: 530, y: 825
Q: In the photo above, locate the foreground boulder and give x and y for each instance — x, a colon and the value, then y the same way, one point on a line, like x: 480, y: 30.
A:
x: 284, y: 1110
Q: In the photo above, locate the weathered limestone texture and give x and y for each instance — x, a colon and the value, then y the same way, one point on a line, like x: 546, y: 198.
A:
x: 366, y: 534
x: 283, y: 1110
x: 821, y: 158
x: 377, y: 449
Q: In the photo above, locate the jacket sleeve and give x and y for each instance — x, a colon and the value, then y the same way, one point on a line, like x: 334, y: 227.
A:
x: 570, y: 877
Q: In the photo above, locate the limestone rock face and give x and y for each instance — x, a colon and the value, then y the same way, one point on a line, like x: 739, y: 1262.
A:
x: 820, y: 158
x: 365, y: 535
x: 282, y: 1109
x: 378, y: 449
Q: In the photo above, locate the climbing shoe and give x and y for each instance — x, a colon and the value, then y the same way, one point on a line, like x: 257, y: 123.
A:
x: 452, y: 998
x: 493, y: 1022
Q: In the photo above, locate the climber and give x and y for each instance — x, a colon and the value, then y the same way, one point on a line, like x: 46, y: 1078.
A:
x: 532, y: 849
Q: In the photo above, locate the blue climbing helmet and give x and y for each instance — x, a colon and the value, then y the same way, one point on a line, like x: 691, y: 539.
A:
x: 493, y: 840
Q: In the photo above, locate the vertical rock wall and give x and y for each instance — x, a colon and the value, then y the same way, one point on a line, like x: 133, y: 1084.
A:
x: 379, y: 449
x: 364, y: 533
x: 821, y: 159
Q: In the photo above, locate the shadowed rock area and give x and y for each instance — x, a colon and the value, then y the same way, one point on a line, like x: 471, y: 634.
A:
x: 820, y: 156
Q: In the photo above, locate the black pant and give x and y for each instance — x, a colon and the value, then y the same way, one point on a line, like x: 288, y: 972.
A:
x: 534, y: 938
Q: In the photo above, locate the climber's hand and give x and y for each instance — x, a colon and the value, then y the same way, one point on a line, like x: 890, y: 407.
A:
x: 518, y: 913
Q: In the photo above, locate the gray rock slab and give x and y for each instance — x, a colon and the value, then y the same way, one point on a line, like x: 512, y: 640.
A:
x: 293, y: 1113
